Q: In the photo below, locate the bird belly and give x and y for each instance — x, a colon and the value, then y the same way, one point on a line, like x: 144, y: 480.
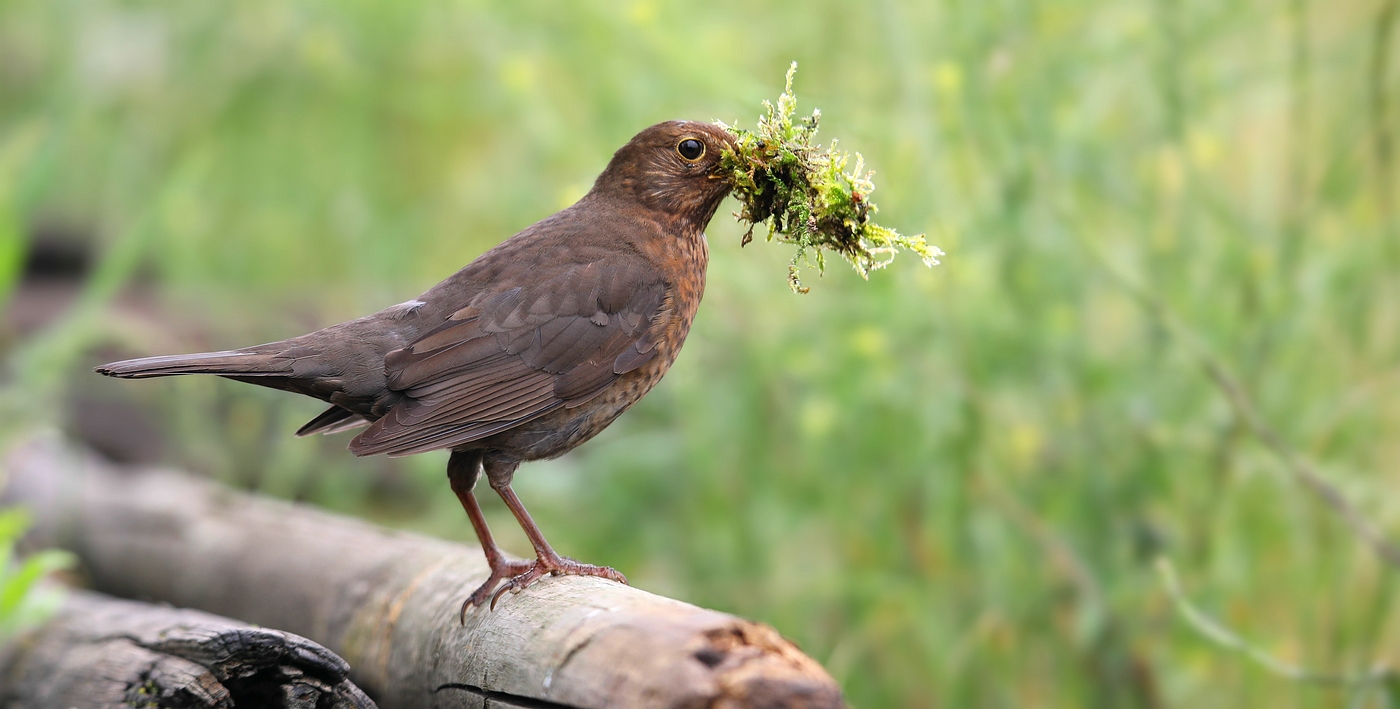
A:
x: 564, y: 429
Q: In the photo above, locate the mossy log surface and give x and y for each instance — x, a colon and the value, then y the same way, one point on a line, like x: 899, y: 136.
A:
x: 388, y: 601
x: 99, y: 652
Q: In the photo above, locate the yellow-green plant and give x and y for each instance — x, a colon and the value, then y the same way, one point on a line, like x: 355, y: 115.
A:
x: 23, y: 602
x: 806, y: 196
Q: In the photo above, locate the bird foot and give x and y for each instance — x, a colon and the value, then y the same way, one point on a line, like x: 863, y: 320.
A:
x: 556, y: 566
x: 506, y: 569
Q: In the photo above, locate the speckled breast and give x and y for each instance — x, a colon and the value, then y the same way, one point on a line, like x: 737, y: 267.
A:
x: 563, y: 429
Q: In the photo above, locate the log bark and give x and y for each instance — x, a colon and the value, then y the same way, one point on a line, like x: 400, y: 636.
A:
x: 388, y: 601
x: 99, y: 652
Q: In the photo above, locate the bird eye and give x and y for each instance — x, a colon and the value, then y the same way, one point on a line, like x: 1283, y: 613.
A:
x: 691, y: 149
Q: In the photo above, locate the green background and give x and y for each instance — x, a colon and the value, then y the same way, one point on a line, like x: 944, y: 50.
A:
x: 948, y: 485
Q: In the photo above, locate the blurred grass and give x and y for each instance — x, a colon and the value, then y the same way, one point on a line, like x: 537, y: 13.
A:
x: 946, y: 485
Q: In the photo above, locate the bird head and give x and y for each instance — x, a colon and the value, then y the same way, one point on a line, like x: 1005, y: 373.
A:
x: 671, y: 168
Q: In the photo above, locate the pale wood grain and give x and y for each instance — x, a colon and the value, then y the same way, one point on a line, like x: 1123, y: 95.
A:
x: 387, y: 601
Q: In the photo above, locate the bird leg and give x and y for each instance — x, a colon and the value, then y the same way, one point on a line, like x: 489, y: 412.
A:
x: 547, y: 561
x: 462, y: 471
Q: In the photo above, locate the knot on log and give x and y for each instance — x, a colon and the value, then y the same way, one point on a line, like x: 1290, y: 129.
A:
x: 101, y: 652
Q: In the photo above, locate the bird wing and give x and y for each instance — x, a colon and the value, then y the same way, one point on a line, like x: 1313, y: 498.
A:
x: 511, y: 355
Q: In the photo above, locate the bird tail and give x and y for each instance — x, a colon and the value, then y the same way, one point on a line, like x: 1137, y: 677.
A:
x: 333, y: 420
x: 232, y: 363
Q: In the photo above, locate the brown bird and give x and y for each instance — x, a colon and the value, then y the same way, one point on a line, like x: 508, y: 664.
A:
x: 524, y: 354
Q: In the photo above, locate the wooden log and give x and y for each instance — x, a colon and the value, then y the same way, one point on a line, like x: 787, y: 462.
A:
x: 388, y: 601
x: 100, y: 652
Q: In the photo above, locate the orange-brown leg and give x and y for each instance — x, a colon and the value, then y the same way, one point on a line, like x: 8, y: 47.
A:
x: 547, y: 561
x: 462, y: 471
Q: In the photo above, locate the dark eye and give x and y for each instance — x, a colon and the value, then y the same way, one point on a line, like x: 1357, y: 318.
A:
x: 691, y: 149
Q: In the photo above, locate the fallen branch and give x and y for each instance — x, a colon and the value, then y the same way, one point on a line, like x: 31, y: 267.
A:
x: 387, y: 601
x: 102, y: 652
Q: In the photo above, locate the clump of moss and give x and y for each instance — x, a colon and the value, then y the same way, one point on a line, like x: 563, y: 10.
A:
x: 805, y: 195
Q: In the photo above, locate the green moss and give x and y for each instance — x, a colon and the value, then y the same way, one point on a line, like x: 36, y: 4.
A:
x: 805, y: 195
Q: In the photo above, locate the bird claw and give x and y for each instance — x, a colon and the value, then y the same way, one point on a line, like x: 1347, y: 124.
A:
x: 559, y: 566
x: 507, y: 569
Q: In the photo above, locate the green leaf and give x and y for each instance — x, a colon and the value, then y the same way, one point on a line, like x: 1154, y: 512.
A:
x: 13, y: 522
x: 16, y: 587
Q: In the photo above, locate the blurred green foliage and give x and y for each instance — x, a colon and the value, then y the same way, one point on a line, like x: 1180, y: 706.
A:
x: 25, y: 603
x: 947, y: 485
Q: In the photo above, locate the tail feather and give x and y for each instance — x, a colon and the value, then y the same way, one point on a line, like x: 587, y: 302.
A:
x: 332, y: 420
x: 242, y: 364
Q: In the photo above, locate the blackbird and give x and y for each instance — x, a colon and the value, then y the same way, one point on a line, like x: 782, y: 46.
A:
x: 524, y: 354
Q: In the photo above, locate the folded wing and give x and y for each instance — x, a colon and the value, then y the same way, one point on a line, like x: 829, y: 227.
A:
x: 510, y: 356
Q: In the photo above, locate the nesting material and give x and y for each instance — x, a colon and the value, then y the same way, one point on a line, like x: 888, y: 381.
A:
x: 805, y: 195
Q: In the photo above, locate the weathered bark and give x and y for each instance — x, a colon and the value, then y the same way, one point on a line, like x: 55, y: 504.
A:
x: 100, y: 652
x: 388, y: 601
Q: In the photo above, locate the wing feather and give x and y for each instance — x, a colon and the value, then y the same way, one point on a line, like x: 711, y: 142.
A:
x: 509, y: 356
